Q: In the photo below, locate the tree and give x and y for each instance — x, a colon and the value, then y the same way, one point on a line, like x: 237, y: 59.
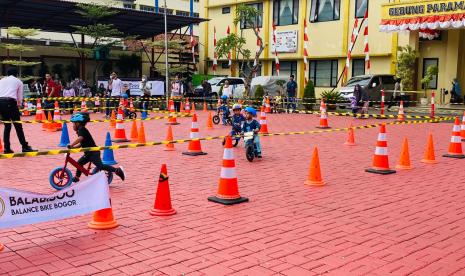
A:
x: 234, y: 43
x: 431, y: 72
x: 128, y: 64
x: 104, y: 36
x: 406, y: 66
x: 20, y: 48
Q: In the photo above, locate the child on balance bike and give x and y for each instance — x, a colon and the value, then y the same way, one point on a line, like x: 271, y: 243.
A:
x: 251, y: 125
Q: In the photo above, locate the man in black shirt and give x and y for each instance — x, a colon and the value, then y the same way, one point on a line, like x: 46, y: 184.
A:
x: 85, y: 140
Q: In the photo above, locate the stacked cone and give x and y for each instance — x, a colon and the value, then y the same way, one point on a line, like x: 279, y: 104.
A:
x: 169, y: 138
x: 131, y: 105
x: 323, y: 117
x: 205, y: 107
x: 113, y: 119
x: 26, y: 111
x: 172, y: 117
x: 162, y: 205
x: 51, y: 125
x: 194, y: 147
x: 267, y: 105
x: 134, y: 133
x: 351, y: 137
x: 1, y: 145
x: 380, y: 158
x: 429, y: 156
x: 103, y: 219
x: 228, y: 189
x: 141, y: 135
x: 210, y: 121
x: 462, y: 127
x: 40, y: 116
x: 404, y: 162
x: 314, y: 173
x: 57, y: 117
x: 455, y: 146
x: 263, y: 124
x: 181, y: 108
x: 401, y: 115
x: 193, y: 107
x: 120, y: 132
x: 187, y: 108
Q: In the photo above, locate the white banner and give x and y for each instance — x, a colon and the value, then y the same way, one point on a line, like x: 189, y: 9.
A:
x: 286, y: 41
x: 21, y: 208
x: 158, y: 87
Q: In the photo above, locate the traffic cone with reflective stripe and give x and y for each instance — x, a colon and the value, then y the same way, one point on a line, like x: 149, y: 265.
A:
x: 400, y: 114
x: 26, y: 111
x: 323, y: 117
x: 40, y: 116
x: 113, y: 119
x: 172, y: 116
x: 134, y: 133
x: 351, y: 137
x: 187, y: 107
x: 193, y: 108
x: 267, y: 105
x: 181, y: 108
x: 83, y: 106
x: 404, y: 162
x: 194, y: 145
x: 462, y: 128
x: 169, y: 138
x: 141, y: 135
x: 103, y: 219
x: 455, y: 146
x: 380, y: 158
x: 162, y: 205
x: 209, y: 121
x: 131, y: 105
x: 57, y: 117
x: 228, y: 189
x: 120, y: 132
x: 263, y: 124
x: 205, y: 106
x: 429, y: 156
x: 314, y: 173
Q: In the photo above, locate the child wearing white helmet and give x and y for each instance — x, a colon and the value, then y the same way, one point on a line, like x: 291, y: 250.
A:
x: 237, y: 120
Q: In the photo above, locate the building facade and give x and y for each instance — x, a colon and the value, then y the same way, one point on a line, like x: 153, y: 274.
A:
x: 330, y: 28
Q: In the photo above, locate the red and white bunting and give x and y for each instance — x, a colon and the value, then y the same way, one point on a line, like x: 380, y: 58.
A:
x: 366, y: 49
x: 306, y: 67
x: 193, y: 47
x: 255, y: 61
x: 215, y: 55
x: 228, y: 32
x: 275, y: 51
x: 353, y: 38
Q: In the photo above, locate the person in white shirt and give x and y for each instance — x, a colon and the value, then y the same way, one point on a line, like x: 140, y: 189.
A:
x: 116, y: 89
x: 177, y: 92
x: 11, y: 97
x: 228, y: 90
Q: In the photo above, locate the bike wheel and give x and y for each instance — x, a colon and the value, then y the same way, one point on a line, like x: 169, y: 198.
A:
x: 132, y: 115
x: 60, y: 179
x: 107, y: 173
x: 249, y: 153
x: 216, y: 119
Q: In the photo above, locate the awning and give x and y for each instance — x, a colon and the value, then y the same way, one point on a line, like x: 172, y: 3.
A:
x: 59, y: 16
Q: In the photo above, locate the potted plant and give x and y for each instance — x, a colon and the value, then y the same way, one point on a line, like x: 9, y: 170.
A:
x: 405, y: 66
x: 309, y: 96
x: 259, y: 93
x: 431, y: 72
x: 331, y: 98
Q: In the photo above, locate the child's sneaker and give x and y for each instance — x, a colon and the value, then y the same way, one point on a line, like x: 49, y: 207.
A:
x: 120, y: 173
x: 259, y: 155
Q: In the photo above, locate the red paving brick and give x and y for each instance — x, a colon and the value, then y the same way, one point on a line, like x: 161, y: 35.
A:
x: 411, y: 222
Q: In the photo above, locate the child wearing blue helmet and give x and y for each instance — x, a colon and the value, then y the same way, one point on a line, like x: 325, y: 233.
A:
x: 85, y: 140
x: 225, y: 109
x: 251, y: 124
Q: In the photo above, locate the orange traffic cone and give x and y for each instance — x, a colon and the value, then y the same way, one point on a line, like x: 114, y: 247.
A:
x: 83, y: 106
x: 187, y: 106
x: 209, y: 121
x: 26, y: 111
x: 455, y: 146
x: 134, y: 133
x: 380, y: 158
x: 401, y: 115
x: 162, y: 205
x: 141, y: 135
x: 462, y: 127
x: 1, y: 145
x: 323, y: 117
x: 169, y: 137
x: 314, y: 173
x: 131, y: 105
x: 113, y: 119
x: 40, y: 116
x: 75, y: 110
x: 182, y: 108
x: 57, y: 117
x: 205, y: 107
x: 228, y: 189
x: 172, y: 116
x: 193, y: 108
x: 102, y: 220
x: 404, y: 162
x: 194, y: 148
x: 429, y: 157
x: 120, y: 132
x: 97, y: 104
x: 264, y: 126
x: 1, y: 247
x: 50, y: 127
x: 267, y: 105
x: 351, y: 137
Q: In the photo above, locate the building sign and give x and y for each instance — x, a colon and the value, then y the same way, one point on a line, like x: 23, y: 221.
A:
x: 422, y: 8
x: 286, y: 41
x: 21, y: 207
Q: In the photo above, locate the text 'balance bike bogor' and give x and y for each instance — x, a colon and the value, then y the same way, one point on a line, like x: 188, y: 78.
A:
x: 62, y: 177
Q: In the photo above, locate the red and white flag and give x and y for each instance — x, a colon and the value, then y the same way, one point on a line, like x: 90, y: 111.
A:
x: 353, y: 38
x: 193, y: 43
x: 228, y: 32
x: 255, y: 61
x: 275, y: 51
x: 306, y: 67
x: 215, y: 55
x: 366, y: 49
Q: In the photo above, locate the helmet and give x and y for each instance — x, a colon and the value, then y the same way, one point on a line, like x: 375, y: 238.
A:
x: 236, y: 106
x: 125, y: 96
x: 251, y: 110
x: 224, y: 97
x: 80, y: 117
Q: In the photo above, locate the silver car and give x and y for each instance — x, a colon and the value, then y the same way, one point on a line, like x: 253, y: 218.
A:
x: 373, y: 84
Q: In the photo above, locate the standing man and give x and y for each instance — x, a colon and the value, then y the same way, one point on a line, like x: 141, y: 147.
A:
x: 291, y: 93
x: 11, y: 97
x: 176, y: 93
x: 50, y: 91
x: 116, y: 88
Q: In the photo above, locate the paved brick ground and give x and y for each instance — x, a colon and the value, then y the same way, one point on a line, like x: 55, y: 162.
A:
x: 412, y: 222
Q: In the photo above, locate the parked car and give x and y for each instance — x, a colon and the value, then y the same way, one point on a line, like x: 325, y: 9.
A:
x: 270, y: 84
x: 217, y: 82
x: 372, y: 83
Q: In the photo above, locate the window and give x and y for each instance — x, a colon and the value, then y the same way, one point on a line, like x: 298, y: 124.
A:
x: 323, y: 73
x: 285, y: 12
x: 129, y: 6
x: 226, y: 10
x: 146, y: 8
x: 168, y: 11
x: 182, y: 13
x: 225, y: 64
x: 196, y: 14
x: 361, y: 6
x: 324, y: 10
x: 258, y: 20
x: 286, y: 68
x: 427, y: 62
x: 358, y: 67
x: 247, y: 71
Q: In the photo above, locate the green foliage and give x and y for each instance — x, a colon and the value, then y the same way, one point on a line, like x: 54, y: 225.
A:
x: 21, y: 33
x: 247, y: 14
x: 309, y: 94
x: 331, y: 97
x: 94, y: 12
x: 431, y: 72
x: 259, y: 92
x: 100, y: 32
x: 20, y: 63
x: 405, y: 66
x: 128, y: 64
x: 17, y: 47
